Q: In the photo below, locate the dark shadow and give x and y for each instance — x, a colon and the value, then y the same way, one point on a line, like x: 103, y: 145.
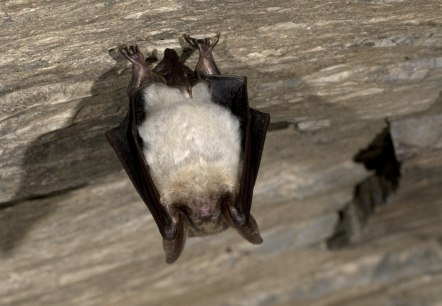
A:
x: 68, y: 158
x: 15, y: 222
x: 380, y: 158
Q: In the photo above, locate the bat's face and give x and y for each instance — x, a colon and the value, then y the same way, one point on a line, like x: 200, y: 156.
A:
x: 204, y: 215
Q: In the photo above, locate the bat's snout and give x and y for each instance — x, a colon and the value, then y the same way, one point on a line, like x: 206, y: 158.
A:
x: 206, y: 213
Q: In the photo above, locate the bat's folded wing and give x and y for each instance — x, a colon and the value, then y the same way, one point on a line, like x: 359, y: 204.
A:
x: 259, y: 123
x: 231, y: 92
x: 123, y: 142
x: 256, y: 131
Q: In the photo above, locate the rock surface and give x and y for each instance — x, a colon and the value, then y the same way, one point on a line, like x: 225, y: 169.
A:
x: 337, y: 77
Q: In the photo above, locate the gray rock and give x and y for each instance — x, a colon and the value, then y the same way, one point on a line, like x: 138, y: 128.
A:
x: 73, y: 231
x: 418, y: 133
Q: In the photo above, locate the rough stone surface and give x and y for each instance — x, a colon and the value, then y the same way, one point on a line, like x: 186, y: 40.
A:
x: 420, y: 132
x: 333, y: 75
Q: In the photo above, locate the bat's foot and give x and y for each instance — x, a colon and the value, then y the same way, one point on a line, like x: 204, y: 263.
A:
x: 206, y: 64
x: 133, y: 54
x: 202, y: 44
x: 141, y: 74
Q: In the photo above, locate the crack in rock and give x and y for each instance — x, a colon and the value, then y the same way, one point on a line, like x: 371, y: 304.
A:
x: 373, y: 191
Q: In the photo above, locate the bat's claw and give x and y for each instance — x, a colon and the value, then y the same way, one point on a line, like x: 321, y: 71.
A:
x: 132, y: 53
x: 173, y: 247
x: 206, y: 64
x: 213, y: 44
x: 251, y: 231
x: 248, y: 229
x: 202, y: 44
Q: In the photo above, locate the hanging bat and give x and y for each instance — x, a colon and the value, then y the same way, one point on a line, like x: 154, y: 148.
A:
x: 191, y: 146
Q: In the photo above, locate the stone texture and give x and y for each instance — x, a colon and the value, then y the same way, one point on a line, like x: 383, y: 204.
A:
x: 333, y: 75
x: 418, y: 133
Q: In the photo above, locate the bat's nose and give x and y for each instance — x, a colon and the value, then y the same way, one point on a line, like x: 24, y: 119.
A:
x: 205, y: 214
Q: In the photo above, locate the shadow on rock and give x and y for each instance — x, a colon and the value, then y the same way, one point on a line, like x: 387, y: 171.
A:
x: 16, y: 221
x: 67, y: 158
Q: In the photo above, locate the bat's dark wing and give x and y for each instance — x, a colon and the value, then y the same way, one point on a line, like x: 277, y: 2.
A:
x: 256, y: 131
x: 126, y: 142
x: 231, y: 92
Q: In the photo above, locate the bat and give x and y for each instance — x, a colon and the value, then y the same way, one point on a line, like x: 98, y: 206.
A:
x: 191, y: 145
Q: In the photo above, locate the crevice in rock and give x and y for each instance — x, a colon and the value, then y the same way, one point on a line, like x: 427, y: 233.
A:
x: 278, y: 125
x: 374, y: 191
x: 4, y: 205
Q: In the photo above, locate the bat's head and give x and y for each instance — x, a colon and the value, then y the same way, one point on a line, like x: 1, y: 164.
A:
x: 214, y: 213
x: 205, y: 214
x: 203, y: 202
x: 200, y: 192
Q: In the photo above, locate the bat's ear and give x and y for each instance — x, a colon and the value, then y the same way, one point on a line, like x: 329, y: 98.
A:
x: 174, y: 247
x: 248, y: 229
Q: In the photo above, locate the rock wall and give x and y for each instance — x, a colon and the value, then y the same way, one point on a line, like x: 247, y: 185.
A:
x: 348, y: 197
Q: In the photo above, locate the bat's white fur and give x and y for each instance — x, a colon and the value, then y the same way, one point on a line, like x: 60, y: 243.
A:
x: 191, y: 144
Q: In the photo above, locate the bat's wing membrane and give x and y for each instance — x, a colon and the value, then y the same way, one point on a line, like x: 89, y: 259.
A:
x: 124, y: 144
x: 231, y: 92
x: 254, y: 143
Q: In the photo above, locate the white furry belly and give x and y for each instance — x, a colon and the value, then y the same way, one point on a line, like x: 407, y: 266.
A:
x: 189, y: 137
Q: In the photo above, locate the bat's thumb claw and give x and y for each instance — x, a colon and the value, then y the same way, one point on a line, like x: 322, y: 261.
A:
x: 189, y: 91
x: 174, y: 247
x: 254, y: 238
x: 250, y: 231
